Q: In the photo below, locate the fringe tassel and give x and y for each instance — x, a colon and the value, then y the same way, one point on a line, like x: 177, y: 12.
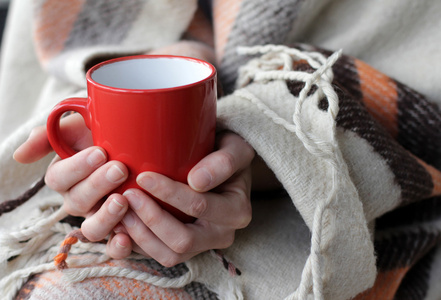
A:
x: 71, y: 239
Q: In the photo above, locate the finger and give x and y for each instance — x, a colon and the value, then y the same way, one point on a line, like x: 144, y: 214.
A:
x: 84, y: 195
x: 234, y: 154
x: 119, y: 228
x: 186, y: 239
x: 230, y: 208
x: 150, y: 243
x: 34, y: 148
x: 119, y: 246
x: 37, y: 146
x: 63, y: 174
x: 101, y: 224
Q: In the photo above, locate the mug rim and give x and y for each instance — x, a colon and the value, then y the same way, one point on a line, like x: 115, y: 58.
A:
x: 148, y: 56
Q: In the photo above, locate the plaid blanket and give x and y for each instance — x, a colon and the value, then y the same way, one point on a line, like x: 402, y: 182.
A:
x: 379, y: 234
x: 404, y: 129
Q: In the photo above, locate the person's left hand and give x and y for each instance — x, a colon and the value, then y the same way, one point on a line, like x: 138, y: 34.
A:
x: 218, y: 195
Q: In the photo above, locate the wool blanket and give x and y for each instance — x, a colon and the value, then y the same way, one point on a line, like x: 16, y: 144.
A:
x: 357, y: 151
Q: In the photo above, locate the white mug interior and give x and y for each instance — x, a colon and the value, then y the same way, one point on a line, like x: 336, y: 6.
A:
x: 152, y: 73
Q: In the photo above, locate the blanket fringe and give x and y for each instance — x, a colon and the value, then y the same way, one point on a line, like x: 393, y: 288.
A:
x: 80, y: 274
x: 29, y: 239
x: 276, y: 63
x: 71, y: 239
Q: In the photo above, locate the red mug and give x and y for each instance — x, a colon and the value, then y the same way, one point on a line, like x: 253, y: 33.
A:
x: 151, y: 112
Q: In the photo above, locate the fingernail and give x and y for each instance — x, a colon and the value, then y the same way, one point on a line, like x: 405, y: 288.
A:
x: 201, y: 179
x: 135, y: 202
x: 114, y: 207
x: 120, y: 246
x: 96, y: 158
x: 129, y: 220
x: 146, y: 181
x: 114, y: 174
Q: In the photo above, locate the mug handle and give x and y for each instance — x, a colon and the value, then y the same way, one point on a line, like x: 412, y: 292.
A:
x: 53, y: 124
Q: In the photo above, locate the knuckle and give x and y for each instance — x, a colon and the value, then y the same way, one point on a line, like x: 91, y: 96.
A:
x: 152, y: 219
x: 70, y: 208
x: 116, y: 253
x: 249, y: 151
x: 227, y: 240
x: 244, y: 210
x: 75, y: 201
x: 184, y: 244
x: 52, y: 182
x: 95, y: 184
x: 77, y: 168
x: 198, y: 206
x: 170, y: 260
x: 91, y: 235
x: 163, y: 190
x: 243, y: 222
x: 245, y: 219
x: 227, y: 160
x: 75, y: 205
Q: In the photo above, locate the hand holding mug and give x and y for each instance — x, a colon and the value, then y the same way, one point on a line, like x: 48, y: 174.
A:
x: 222, y: 206
x: 151, y: 113
x: 220, y: 212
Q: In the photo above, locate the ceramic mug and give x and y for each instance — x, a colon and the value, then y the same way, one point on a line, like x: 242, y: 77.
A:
x: 151, y: 112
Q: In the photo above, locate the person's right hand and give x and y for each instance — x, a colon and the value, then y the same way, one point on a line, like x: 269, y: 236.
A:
x: 84, y: 180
